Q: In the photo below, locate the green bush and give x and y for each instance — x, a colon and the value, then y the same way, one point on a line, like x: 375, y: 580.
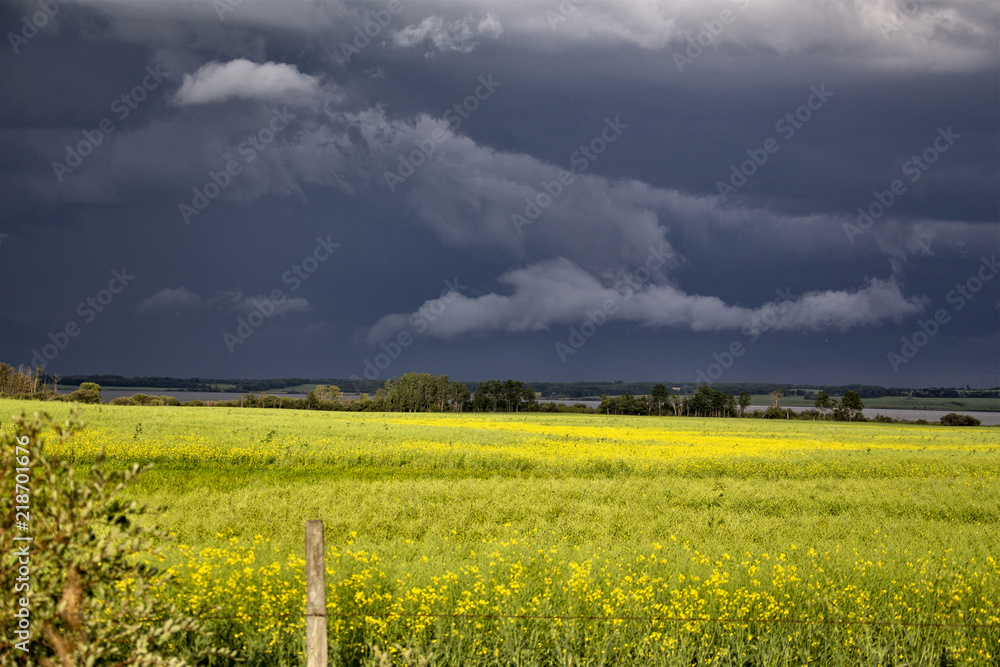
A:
x: 953, y: 419
x: 82, y: 588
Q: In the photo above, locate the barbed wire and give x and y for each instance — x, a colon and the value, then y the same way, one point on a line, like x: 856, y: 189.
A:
x: 653, y: 619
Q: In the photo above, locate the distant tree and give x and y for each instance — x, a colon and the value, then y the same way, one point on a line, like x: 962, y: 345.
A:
x: 89, y: 392
x: 745, y: 400
x: 459, y: 396
x: 823, y: 402
x: 775, y: 397
x: 529, y: 400
x: 657, y: 399
x: 328, y: 392
x: 851, y: 405
x: 487, y: 396
x: 512, y: 394
x: 627, y: 405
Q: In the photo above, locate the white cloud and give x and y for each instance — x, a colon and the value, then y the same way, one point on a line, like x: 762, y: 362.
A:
x: 265, y: 305
x: 890, y: 35
x: 235, y: 301
x: 218, y: 82
x: 559, y: 292
x: 181, y: 300
x: 456, y: 36
x: 170, y: 301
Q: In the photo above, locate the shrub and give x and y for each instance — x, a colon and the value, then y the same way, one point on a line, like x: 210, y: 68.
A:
x: 85, y: 598
x: 89, y: 392
x: 953, y: 419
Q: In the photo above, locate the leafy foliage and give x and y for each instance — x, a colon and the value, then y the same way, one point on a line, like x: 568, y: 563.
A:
x: 89, y: 593
x: 952, y: 419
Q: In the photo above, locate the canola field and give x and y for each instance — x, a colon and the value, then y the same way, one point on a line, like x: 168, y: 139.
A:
x: 472, y: 539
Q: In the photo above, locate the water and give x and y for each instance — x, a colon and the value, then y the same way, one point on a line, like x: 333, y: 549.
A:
x: 987, y: 418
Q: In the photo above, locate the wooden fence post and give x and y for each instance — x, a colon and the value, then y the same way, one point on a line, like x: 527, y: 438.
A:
x: 316, y: 655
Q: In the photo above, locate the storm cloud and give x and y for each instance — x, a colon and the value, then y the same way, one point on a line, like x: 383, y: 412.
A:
x: 666, y: 167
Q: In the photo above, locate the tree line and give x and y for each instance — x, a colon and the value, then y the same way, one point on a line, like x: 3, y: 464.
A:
x: 424, y: 392
x: 564, y: 390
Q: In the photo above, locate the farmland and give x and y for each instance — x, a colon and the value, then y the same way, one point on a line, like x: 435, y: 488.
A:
x: 573, y: 539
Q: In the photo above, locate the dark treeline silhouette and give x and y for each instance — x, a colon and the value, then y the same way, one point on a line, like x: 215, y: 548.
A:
x: 423, y: 392
x: 561, y: 390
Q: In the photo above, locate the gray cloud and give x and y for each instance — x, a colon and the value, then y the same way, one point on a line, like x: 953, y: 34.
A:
x: 242, y: 79
x: 559, y: 292
x: 446, y: 36
x: 180, y: 300
x: 498, y: 194
x: 169, y: 300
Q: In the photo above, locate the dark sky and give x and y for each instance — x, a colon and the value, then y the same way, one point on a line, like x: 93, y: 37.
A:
x: 575, y: 190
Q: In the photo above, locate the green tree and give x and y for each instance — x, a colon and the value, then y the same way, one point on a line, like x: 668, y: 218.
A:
x: 459, y: 396
x: 488, y: 396
x: 89, y: 392
x: 658, y: 399
x: 329, y: 392
x: 823, y: 402
x: 851, y: 405
x: 775, y: 397
x: 745, y: 400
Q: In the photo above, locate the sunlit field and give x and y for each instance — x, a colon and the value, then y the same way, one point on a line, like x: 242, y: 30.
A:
x: 572, y: 539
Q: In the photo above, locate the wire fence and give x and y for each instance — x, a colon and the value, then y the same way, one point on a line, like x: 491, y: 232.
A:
x: 648, y: 619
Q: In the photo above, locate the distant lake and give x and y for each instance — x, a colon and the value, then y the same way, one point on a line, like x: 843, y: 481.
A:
x: 987, y: 418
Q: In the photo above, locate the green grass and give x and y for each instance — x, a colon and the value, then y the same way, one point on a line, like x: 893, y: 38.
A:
x: 880, y: 522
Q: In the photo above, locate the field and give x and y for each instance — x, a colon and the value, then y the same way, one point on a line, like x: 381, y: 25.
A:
x: 574, y: 539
